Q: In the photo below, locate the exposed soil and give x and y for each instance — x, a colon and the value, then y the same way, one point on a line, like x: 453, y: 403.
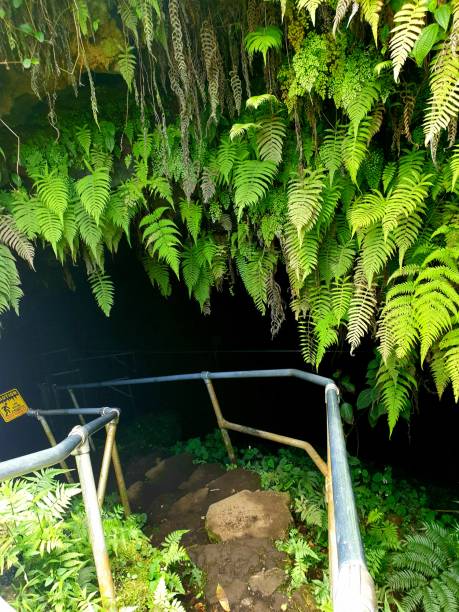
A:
x: 246, y: 570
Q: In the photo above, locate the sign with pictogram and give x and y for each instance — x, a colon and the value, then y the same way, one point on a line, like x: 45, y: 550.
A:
x: 12, y: 405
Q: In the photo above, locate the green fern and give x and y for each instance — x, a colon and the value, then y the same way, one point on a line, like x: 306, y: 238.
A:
x: 10, y: 289
x: 311, y: 6
x: 426, y: 571
x: 408, y: 26
x: 191, y: 213
x: 454, y: 165
x: 361, y: 309
x: 251, y: 181
x: 262, y: 40
x: 83, y: 136
x: 103, y: 290
x: 94, y: 191
x: 397, y: 385
x: 126, y: 64
x: 52, y: 189
x: 305, y: 200
x: 270, y: 138
x: 162, y: 237
x: 355, y: 147
x: 331, y: 151
x: 158, y: 273
x: 256, y: 267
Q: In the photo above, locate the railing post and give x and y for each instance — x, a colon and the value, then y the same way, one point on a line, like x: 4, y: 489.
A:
x: 80, y: 416
x: 220, y: 419
x: 94, y: 522
x: 111, y: 453
x: 52, y: 441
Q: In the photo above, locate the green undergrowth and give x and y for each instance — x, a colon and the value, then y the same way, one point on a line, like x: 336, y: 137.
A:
x: 46, y: 560
x: 412, y: 550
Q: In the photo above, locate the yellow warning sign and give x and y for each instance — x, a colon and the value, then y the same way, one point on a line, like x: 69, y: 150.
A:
x: 12, y: 405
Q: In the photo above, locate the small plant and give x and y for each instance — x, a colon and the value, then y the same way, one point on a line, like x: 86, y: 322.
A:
x: 303, y: 558
x: 426, y: 570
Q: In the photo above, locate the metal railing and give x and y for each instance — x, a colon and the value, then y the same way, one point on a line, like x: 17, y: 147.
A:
x: 352, y: 588
x: 77, y: 444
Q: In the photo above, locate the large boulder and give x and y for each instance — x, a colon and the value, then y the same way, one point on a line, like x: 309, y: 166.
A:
x: 249, y: 514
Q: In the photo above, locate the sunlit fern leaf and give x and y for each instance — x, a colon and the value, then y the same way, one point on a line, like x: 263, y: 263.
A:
x: 327, y: 335
x: 408, y: 230
x: 367, y: 210
x: 361, y: 309
x: 355, y: 147
x: 162, y: 237
x: 341, y: 294
x: 408, y: 195
x: 331, y: 150
x: 94, y: 191
x: 439, y: 372
x: 89, y: 230
x: 51, y: 225
x: 363, y: 103
x: 240, y: 129
x: 129, y: 16
x: 103, y: 290
x: 15, y: 239
x: 397, y: 386
x: 307, y: 340
x: 197, y: 264
x: 436, y: 302
x: 450, y: 347
x: 226, y: 157
x: 305, y: 199
x: 191, y: 213
x: 257, y: 101
x: 301, y: 252
x: 256, y: 267
x: 83, y: 136
x: 342, y: 262
x: 251, y: 181
x: 371, y: 10
x: 158, y: 273
x: 341, y: 9
x: 376, y: 251
x: 397, y: 326
x: 52, y: 189
x: 262, y: 40
x: 330, y: 198
x: 388, y: 175
x: 408, y: 21
x: 270, y: 138
x: 10, y: 290
x: 311, y: 6
x: 161, y: 187
x: 443, y: 105
x: 126, y: 64
x: 454, y: 165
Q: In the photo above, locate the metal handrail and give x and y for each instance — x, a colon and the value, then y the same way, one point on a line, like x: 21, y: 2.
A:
x: 352, y: 586
x: 77, y: 444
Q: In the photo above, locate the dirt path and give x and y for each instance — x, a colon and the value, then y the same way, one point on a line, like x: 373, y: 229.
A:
x: 232, y: 527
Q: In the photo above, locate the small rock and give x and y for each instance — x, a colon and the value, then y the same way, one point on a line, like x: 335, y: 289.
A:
x: 134, y: 493
x: 246, y: 602
x: 267, y: 582
x: 253, y: 514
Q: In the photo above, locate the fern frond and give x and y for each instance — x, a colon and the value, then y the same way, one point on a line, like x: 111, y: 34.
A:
x: 361, y: 309
x: 10, y: 289
x: 251, y: 181
x: 397, y: 386
x: 367, y: 210
x: 305, y: 200
x: 94, y: 191
x: 15, y: 240
x: 341, y: 9
x: 83, y: 136
x: 454, y: 165
x: 257, y: 101
x: 450, y: 354
x: 311, y: 6
x: 158, y: 273
x: 256, y: 268
x: 376, y: 251
x: 443, y: 105
x: 331, y: 150
x: 371, y: 10
x: 240, y: 129
x: 52, y: 189
x: 126, y: 64
x: 191, y: 213
x: 355, y: 147
x: 162, y: 237
x: 301, y: 251
x: 262, y: 40
x: 409, y: 21
x: 408, y: 195
x: 270, y: 138
x: 363, y: 103
x: 103, y: 290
